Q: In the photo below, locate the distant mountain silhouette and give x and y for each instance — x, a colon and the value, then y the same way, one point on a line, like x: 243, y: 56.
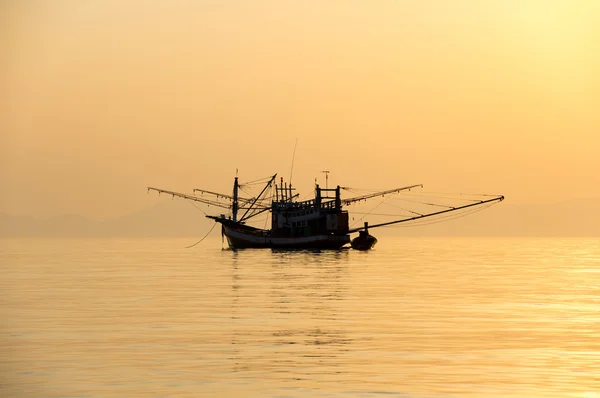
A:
x: 169, y: 218
x: 173, y: 218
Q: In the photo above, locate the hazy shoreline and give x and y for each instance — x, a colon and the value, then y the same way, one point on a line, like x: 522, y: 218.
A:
x: 172, y: 219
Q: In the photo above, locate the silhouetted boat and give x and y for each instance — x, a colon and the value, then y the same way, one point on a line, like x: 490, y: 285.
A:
x: 364, y: 240
x: 319, y: 223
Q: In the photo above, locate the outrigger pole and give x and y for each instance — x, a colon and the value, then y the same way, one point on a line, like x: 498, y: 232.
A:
x: 191, y: 197
x: 349, y: 201
x: 243, y: 201
x: 496, y: 199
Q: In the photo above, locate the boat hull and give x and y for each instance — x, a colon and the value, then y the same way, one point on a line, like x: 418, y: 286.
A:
x: 241, y: 239
x: 363, y: 242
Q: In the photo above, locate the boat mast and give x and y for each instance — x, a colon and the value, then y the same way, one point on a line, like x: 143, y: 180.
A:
x: 235, y: 200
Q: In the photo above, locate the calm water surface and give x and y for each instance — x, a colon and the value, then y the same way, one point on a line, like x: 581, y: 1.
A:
x: 414, y: 318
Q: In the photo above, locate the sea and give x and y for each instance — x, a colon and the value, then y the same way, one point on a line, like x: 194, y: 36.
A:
x: 415, y: 317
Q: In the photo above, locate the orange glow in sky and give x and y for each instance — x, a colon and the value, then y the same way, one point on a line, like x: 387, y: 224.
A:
x: 99, y: 99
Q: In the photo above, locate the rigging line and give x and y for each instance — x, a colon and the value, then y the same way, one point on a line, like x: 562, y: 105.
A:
x: 415, y: 222
x: 380, y: 203
x: 432, y: 222
x: 354, y: 189
x: 462, y: 194
x: 447, y: 197
x: 197, y: 208
x: 435, y: 220
x: 383, y: 214
x: 349, y: 201
x: 204, y: 237
x: 264, y: 190
x: 306, y: 197
x: 244, y: 190
x: 455, y: 197
x: 451, y: 216
x: 436, y: 213
x: 402, y: 208
x: 371, y: 190
x: 419, y: 223
x: 256, y: 222
x: 293, y: 157
x: 252, y: 184
x: 257, y: 181
x: 425, y: 203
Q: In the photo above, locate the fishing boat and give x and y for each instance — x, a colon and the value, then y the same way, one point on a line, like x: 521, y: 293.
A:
x: 317, y: 223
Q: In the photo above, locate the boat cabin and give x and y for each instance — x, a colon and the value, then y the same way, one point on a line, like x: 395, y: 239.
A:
x: 321, y: 215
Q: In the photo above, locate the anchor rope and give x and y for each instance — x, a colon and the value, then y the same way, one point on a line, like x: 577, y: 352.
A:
x: 204, y: 237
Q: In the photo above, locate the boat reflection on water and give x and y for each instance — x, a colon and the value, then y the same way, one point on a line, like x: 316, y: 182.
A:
x: 302, y: 294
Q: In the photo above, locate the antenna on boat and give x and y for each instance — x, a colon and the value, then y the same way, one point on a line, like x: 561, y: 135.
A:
x: 293, y: 157
x: 326, y: 178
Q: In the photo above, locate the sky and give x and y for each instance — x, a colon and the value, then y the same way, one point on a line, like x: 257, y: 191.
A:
x: 99, y: 99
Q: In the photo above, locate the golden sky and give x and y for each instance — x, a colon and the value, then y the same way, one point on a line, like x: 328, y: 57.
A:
x: 99, y: 99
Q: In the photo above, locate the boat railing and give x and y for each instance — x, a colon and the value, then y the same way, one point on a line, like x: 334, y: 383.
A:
x: 295, y: 205
x: 328, y: 205
x: 307, y: 204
